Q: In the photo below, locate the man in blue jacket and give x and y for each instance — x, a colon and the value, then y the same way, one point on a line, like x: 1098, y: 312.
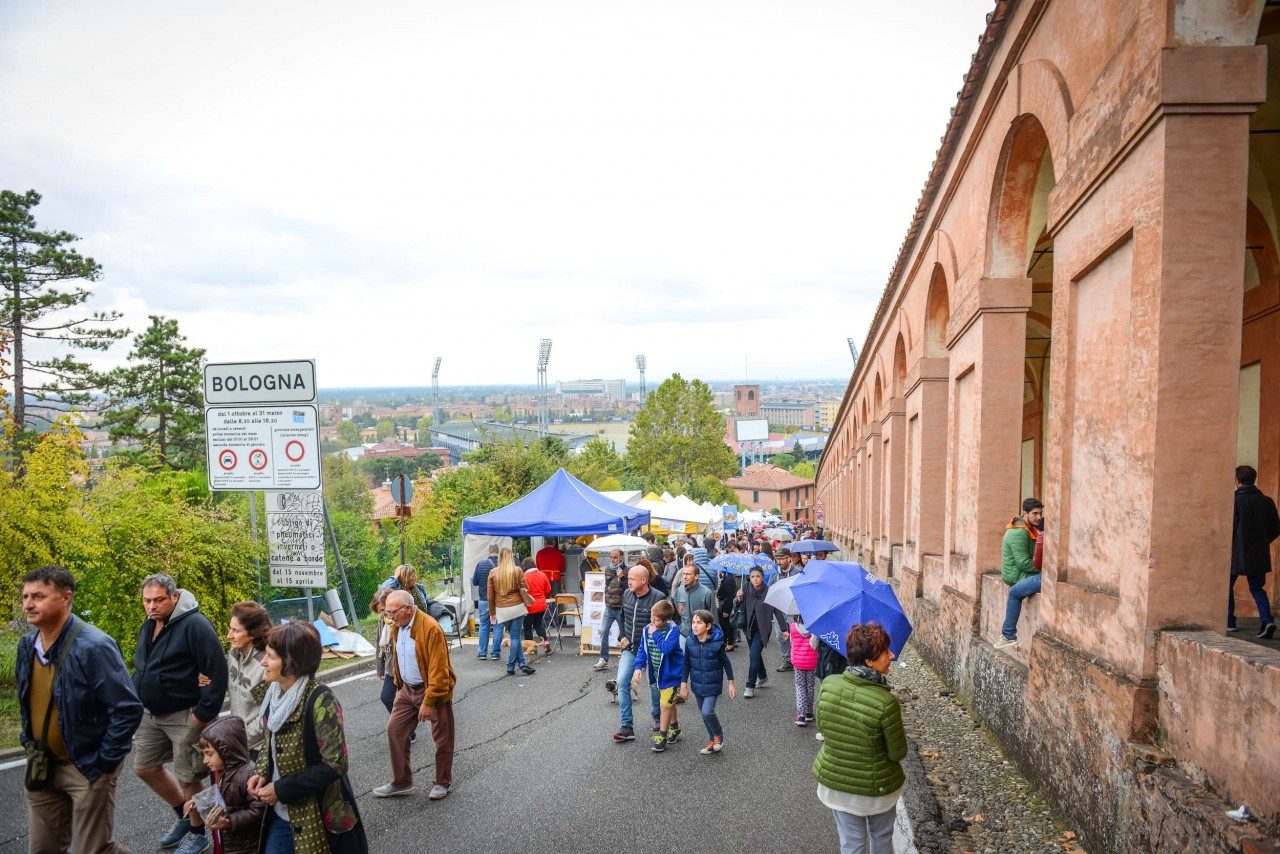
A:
x: 92, y: 710
x: 175, y: 645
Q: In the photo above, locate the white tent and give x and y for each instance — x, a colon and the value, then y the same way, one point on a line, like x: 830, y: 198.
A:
x: 624, y: 496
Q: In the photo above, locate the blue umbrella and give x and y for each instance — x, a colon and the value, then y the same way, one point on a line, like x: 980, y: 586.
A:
x: 737, y: 563
x: 834, y: 596
x: 812, y: 547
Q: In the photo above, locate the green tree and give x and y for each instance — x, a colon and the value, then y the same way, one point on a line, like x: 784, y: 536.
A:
x: 156, y: 397
x: 379, y: 469
x: 359, y: 542
x: 349, y: 433
x: 386, y: 427
x: 804, y: 469
x: 502, y: 415
x: 345, y: 488
x: 423, y: 424
x: 42, y: 304
x: 599, y: 465
x: 678, y: 436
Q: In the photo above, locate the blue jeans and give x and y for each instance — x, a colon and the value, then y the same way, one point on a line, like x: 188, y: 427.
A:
x: 626, y: 670
x: 514, y: 631
x: 484, y: 627
x: 756, y: 672
x: 388, y: 696
x: 611, y: 616
x: 707, y: 706
x: 1029, y: 586
x: 1259, y: 591
x: 279, y: 836
x: 866, y: 834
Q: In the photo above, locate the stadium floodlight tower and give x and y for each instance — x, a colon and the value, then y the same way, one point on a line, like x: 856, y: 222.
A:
x: 544, y: 357
x: 435, y: 393
x: 853, y: 351
x: 641, y: 363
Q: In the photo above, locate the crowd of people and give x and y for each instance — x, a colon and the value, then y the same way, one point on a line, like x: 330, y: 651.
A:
x: 271, y: 775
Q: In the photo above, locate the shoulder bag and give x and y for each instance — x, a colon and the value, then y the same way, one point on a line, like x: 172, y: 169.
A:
x: 40, y: 763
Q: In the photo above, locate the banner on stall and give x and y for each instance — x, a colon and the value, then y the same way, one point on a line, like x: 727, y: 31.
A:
x: 593, y: 585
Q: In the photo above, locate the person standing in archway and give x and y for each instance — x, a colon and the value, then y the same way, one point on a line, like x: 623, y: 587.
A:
x: 1254, y: 527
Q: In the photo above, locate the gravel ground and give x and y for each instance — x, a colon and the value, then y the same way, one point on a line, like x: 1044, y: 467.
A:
x: 975, y: 801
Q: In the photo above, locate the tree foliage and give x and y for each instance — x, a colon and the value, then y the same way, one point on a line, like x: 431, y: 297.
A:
x: 678, y: 437
x: 379, y: 469
x: 349, y: 433
x: 156, y: 398
x: 42, y: 311
x: 599, y: 465
x: 345, y: 488
x: 386, y: 427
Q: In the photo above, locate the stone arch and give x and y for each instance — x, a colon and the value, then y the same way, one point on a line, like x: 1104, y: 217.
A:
x: 898, y: 381
x: 937, y: 314
x: 1043, y: 93
x: 879, y: 394
x: 1019, y: 198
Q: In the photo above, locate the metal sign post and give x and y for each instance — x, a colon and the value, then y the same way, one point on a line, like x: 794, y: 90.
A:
x: 402, y: 495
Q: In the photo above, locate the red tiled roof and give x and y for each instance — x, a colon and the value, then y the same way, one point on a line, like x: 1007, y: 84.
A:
x: 767, y: 476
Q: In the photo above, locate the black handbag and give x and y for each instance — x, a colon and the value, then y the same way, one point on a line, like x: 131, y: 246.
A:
x: 738, y: 616
x: 40, y: 763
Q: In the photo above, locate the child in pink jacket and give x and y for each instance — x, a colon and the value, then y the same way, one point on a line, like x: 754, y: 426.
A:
x: 804, y: 658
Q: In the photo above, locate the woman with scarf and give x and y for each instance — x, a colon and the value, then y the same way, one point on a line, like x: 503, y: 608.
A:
x: 247, y: 638
x: 858, y: 767
x: 302, y: 772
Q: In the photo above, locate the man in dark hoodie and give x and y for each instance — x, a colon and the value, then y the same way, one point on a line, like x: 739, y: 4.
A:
x: 224, y: 745
x: 175, y: 645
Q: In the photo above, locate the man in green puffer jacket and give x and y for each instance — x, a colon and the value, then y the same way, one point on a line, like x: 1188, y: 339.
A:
x: 858, y: 768
x: 1017, y: 566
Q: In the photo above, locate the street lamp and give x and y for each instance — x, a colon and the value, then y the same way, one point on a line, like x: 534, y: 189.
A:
x: 544, y: 357
x: 435, y: 391
x: 641, y: 362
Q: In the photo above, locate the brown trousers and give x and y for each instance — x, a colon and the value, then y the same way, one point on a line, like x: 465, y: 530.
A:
x: 71, y: 811
x: 403, y: 721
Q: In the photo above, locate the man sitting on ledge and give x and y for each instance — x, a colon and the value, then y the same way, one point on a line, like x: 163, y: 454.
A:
x: 1017, y: 567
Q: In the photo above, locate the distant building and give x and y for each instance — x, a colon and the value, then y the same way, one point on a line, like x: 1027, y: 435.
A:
x: 764, y: 486
x: 393, y: 447
x: 790, y: 415
x: 746, y: 400
x: 827, y: 411
x: 612, y: 389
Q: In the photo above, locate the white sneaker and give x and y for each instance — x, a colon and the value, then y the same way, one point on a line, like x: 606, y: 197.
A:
x: 600, y: 665
x: 390, y: 791
x: 817, y: 736
x: 1005, y: 643
x: 748, y: 692
x: 438, y: 792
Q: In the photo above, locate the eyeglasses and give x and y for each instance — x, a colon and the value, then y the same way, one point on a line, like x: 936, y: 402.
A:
x: 395, y: 611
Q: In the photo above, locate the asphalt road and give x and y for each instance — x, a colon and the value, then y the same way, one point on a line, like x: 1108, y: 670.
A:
x: 536, y: 770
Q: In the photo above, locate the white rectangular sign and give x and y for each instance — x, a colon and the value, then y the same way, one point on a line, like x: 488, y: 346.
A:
x: 260, y: 382
x: 751, y: 429
x: 593, y: 609
x: 263, y: 447
x: 295, y: 535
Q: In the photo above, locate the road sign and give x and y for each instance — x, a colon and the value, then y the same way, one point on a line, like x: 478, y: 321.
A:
x: 295, y: 535
x: 402, y: 489
x: 260, y: 382
x: 263, y: 447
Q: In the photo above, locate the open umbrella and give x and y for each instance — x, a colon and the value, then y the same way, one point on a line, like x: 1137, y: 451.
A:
x: 780, y: 597
x: 736, y: 563
x: 812, y: 547
x: 834, y: 596
x: 779, y: 534
x: 623, y: 542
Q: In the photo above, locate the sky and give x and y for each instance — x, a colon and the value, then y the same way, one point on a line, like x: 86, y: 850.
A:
x: 721, y: 185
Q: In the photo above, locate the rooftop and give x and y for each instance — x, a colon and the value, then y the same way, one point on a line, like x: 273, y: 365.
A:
x: 767, y: 476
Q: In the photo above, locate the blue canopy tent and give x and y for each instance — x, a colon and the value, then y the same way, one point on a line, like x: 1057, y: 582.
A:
x: 563, y: 506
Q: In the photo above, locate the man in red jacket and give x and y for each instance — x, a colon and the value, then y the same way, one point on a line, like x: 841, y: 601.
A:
x: 551, y: 561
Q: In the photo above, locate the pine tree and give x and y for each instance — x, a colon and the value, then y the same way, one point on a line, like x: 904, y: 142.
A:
x: 42, y: 302
x: 156, y: 397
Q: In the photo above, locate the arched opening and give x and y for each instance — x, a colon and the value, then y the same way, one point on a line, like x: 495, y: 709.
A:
x: 899, y: 376
x: 936, y: 315
x: 1258, y: 416
x: 1019, y: 246
x: 879, y: 397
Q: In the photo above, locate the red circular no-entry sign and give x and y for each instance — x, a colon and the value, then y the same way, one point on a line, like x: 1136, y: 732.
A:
x: 258, y: 459
x: 295, y: 451
x: 227, y: 459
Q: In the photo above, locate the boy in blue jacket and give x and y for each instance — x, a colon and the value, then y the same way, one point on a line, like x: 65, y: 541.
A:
x: 662, y: 657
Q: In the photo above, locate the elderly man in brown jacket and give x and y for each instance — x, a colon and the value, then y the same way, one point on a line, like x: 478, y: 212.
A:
x: 424, y: 682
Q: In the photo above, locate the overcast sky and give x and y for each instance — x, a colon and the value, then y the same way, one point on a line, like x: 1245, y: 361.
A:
x: 706, y: 182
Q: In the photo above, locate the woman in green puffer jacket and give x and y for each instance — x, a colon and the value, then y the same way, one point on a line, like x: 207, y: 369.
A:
x: 858, y: 767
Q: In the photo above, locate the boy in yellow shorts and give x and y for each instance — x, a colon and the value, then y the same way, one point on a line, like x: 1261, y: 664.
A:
x: 661, y: 656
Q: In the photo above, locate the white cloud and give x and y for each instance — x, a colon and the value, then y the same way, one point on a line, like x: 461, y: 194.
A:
x: 700, y: 181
